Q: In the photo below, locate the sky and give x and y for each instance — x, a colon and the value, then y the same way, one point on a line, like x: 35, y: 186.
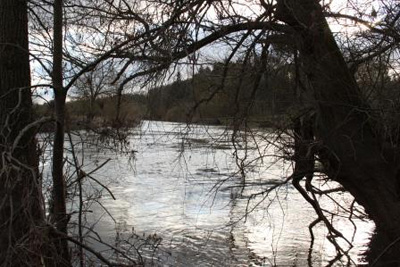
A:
x: 343, y: 6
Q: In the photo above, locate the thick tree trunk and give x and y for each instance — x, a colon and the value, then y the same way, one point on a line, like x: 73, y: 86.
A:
x: 59, y: 214
x: 21, y: 209
x: 351, y: 150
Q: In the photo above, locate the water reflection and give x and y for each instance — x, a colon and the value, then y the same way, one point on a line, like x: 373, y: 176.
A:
x: 184, y: 187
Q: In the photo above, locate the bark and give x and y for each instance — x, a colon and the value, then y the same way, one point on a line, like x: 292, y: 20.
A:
x: 59, y: 214
x: 21, y: 210
x: 352, y: 151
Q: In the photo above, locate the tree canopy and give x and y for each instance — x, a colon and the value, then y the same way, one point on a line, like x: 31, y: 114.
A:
x: 337, y: 61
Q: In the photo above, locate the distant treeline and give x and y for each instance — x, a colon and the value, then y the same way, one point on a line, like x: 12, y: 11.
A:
x: 102, y: 112
x: 215, y: 94
x: 222, y: 93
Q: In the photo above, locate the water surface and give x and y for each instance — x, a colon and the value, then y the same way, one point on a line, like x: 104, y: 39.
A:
x: 183, y: 185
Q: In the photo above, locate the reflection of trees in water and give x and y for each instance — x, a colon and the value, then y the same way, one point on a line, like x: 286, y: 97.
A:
x: 354, y: 139
x: 223, y: 243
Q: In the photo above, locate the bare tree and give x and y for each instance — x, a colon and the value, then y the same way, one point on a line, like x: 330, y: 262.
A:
x: 95, y: 84
x: 346, y: 136
x: 64, y: 62
x: 340, y: 130
x: 22, y: 234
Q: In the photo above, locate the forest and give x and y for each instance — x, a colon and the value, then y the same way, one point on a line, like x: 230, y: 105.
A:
x: 177, y: 100
x: 323, y: 75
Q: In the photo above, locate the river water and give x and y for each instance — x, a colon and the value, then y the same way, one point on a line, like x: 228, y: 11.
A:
x: 179, y: 200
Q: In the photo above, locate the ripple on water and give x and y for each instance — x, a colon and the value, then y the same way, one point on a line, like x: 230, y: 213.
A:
x: 180, y: 197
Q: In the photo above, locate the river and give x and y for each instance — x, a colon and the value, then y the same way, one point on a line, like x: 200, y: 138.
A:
x: 179, y: 200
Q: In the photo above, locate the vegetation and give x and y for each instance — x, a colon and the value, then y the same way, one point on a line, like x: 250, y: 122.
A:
x: 211, y: 96
x: 102, y: 112
x: 191, y: 100
x: 344, y: 87
x: 22, y: 211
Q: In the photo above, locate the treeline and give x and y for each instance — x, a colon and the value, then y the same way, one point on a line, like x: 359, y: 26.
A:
x: 215, y: 94
x: 104, y: 111
x: 221, y: 93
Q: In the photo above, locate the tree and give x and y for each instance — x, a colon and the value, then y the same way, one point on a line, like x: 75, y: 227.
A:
x: 58, y: 210
x: 26, y: 239
x: 94, y: 84
x: 22, y: 229
x: 345, y: 127
x: 347, y: 134
x: 70, y: 60
x: 340, y: 130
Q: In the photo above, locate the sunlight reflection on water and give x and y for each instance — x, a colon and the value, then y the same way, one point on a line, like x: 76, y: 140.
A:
x: 175, y: 190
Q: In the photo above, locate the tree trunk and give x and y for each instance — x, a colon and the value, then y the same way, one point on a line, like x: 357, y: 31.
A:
x: 351, y: 150
x: 90, y: 115
x: 59, y: 214
x: 21, y: 210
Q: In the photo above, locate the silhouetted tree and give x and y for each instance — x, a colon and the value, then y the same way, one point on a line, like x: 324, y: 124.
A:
x: 22, y: 230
